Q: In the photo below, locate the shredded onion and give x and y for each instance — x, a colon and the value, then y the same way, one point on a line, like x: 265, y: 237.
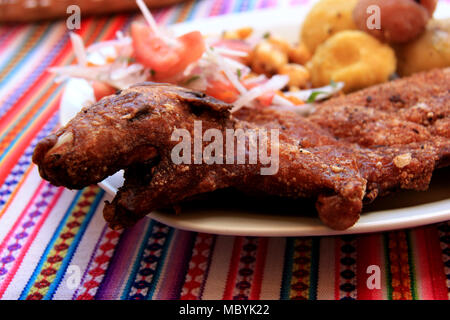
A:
x: 303, y: 109
x: 280, y: 101
x: 120, y: 42
x: 230, y: 52
x: 78, y: 48
x: 227, y: 69
x: 324, y: 92
x: 275, y: 83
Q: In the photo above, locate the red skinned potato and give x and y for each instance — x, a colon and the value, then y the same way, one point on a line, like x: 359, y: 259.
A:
x: 400, y: 20
x: 430, y: 5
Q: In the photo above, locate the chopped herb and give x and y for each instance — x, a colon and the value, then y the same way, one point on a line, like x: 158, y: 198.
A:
x: 313, y: 96
x: 333, y: 83
x: 131, y: 59
x: 238, y: 71
x: 152, y: 72
x: 212, y: 48
x: 191, y: 79
x: 266, y: 35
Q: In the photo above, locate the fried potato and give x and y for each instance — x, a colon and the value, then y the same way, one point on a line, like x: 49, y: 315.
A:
x: 326, y: 18
x: 354, y: 57
x: 298, y: 75
x: 299, y: 54
x: 268, y: 58
x: 399, y: 20
x: 431, y: 50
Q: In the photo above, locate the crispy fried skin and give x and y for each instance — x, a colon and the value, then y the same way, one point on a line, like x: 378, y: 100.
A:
x: 413, y: 109
x: 409, y: 115
x: 133, y: 130
x: 353, y: 148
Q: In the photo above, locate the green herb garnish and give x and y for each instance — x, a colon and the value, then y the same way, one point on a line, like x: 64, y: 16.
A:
x: 266, y: 35
x: 191, y: 79
x: 238, y: 71
x: 313, y: 96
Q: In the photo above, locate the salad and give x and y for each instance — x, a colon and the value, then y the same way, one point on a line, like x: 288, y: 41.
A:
x: 239, y: 67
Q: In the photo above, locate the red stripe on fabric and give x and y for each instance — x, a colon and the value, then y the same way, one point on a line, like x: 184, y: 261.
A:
x: 424, y: 276
x: 21, y: 102
x: 12, y: 112
x: 436, y: 265
x: 259, y: 269
x: 37, y: 85
x: 337, y: 267
x: 369, y: 253
x: 19, y: 219
x: 27, y: 245
x: 5, y: 43
x: 18, y: 150
x: 14, y: 155
x: 233, y: 269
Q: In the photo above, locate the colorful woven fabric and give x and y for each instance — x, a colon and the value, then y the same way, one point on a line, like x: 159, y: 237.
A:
x: 54, y: 243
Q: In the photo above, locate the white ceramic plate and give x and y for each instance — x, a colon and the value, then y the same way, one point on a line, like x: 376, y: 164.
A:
x: 402, y: 210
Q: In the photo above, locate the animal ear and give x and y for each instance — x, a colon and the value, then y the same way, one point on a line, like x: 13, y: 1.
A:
x: 203, y: 102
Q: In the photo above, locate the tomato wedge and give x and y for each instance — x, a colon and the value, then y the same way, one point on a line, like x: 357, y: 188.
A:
x: 165, y: 59
x: 102, y: 89
x: 266, y: 99
x: 224, y: 91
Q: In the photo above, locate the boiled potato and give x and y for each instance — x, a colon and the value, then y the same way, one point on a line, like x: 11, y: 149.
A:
x: 353, y: 57
x: 430, y: 50
x: 326, y: 18
x: 399, y: 20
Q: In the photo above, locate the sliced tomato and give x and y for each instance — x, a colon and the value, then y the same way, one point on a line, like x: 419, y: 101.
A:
x: 165, y: 59
x: 102, y: 89
x: 266, y: 98
x: 224, y: 91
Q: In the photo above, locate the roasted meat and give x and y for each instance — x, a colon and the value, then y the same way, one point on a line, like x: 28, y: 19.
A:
x: 410, y: 114
x: 133, y: 129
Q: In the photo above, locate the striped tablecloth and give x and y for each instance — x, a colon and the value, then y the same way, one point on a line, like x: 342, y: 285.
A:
x: 54, y: 243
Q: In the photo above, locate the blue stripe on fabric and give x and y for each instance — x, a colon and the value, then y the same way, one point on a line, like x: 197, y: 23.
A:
x: 8, y: 60
x: 18, y: 136
x: 44, y: 256
x: 24, y: 59
x: 137, y: 261
x: 160, y: 262
x: 38, y: 71
x: 73, y: 246
x: 287, y: 269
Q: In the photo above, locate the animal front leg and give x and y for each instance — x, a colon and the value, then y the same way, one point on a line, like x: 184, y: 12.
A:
x: 147, y: 189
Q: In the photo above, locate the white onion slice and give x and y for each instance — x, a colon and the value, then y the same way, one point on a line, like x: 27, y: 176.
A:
x: 325, y: 92
x: 230, y: 52
x: 275, y: 83
x: 125, y: 41
x: 227, y: 69
x: 78, y: 48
